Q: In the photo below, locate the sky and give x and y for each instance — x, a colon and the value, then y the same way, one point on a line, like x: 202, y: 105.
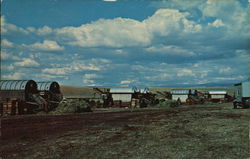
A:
x: 120, y: 43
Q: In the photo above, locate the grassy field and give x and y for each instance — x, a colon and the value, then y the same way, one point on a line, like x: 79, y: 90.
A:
x: 202, y: 131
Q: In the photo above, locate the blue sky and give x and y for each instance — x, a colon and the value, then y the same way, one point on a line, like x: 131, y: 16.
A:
x: 125, y: 42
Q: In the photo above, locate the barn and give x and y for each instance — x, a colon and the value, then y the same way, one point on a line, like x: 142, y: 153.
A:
x: 122, y: 97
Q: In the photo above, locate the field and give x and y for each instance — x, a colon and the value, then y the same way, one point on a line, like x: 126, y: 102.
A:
x: 202, y: 131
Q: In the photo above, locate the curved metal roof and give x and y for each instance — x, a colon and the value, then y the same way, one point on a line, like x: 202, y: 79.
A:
x: 16, y: 84
x: 48, y: 86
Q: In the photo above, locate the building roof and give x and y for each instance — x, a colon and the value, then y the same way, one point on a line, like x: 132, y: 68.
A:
x: 217, y: 92
x: 122, y: 90
x: 48, y: 86
x: 79, y: 92
x: 17, y: 85
x: 180, y: 91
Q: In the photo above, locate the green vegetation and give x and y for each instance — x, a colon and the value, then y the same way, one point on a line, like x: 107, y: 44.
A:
x: 167, y: 103
x: 71, y: 107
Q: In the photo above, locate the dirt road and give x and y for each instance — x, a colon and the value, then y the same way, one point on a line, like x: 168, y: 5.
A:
x: 144, y: 133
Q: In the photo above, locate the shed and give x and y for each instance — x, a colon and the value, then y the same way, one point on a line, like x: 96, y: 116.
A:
x: 242, y: 89
x: 183, y: 94
x: 122, y: 95
x: 242, y: 94
x: 217, y: 94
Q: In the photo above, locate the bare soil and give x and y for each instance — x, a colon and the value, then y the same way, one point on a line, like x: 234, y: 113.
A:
x: 201, y: 131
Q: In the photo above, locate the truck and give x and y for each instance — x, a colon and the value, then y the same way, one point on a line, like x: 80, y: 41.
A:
x: 242, y: 95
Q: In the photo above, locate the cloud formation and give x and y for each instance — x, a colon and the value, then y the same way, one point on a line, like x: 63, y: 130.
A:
x: 125, y: 32
x: 27, y: 62
x: 179, y: 42
x: 47, y: 45
x: 6, y: 43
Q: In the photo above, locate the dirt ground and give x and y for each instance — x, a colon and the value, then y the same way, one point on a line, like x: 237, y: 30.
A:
x: 198, y: 131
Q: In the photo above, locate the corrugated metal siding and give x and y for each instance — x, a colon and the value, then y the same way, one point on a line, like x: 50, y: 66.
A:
x: 180, y: 91
x: 217, y: 92
x: 238, y: 91
x: 48, y: 86
x: 246, y: 89
x: 122, y: 97
x: 16, y: 84
x: 218, y: 96
x: 43, y: 86
x: 183, y: 97
x: 122, y: 90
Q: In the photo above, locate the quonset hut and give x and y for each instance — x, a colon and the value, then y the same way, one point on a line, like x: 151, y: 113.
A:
x: 19, y: 97
x: 51, y: 92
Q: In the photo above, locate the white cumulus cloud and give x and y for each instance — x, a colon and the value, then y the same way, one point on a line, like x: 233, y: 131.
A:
x: 44, y: 30
x: 225, y: 70
x: 47, y: 45
x: 124, y: 32
x: 14, y: 76
x: 89, y: 82
x: 27, y: 62
x: 125, y: 82
x: 185, y: 72
x: 91, y: 76
x: 56, y: 71
x: 8, y: 56
x: 170, y: 50
x: 6, y: 43
x: 217, y: 23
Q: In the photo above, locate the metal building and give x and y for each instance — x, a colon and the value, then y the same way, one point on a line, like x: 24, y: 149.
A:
x: 242, y: 94
x: 51, y: 92
x: 19, y: 97
x: 17, y: 89
x: 217, y: 94
x: 182, y: 94
x: 122, y: 96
